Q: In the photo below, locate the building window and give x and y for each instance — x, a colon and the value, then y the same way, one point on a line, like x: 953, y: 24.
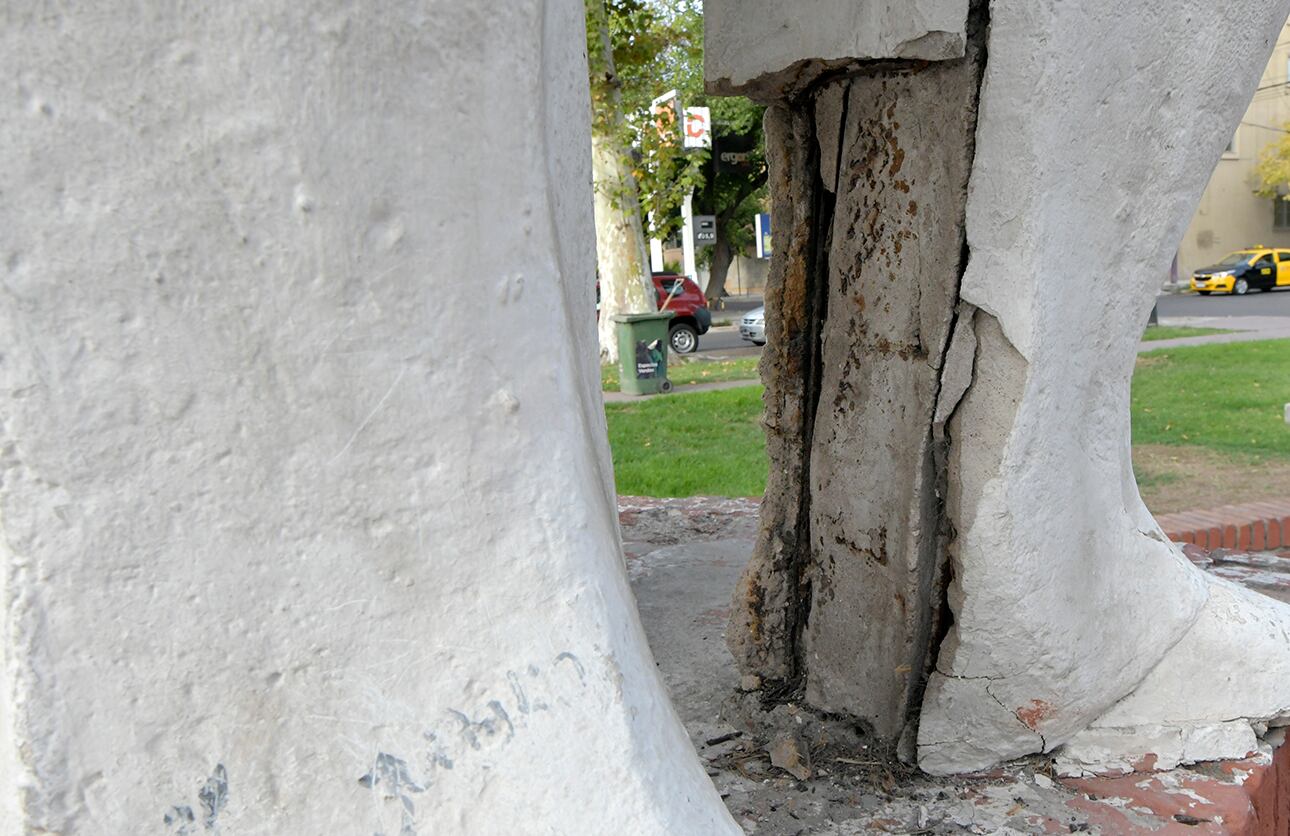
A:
x: 1280, y: 213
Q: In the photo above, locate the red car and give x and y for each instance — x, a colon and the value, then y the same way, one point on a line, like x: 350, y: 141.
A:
x: 683, y: 297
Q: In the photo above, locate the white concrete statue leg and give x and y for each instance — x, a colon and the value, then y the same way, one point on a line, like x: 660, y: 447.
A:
x: 308, y: 520
x: 1096, y: 129
x: 1067, y: 596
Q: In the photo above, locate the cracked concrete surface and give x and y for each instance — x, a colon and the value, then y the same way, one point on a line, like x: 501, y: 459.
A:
x: 883, y: 254
x: 1053, y: 560
x: 766, y: 47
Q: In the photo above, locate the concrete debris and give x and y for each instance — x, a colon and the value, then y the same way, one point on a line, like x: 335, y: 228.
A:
x: 788, y: 753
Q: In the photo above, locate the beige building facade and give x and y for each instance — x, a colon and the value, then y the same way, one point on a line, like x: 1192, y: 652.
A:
x: 1230, y: 216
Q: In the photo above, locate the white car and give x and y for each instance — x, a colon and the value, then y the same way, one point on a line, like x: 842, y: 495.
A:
x: 753, y: 326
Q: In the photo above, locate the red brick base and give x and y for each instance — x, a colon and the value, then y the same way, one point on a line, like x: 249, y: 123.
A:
x: 1242, y: 798
x: 1251, y: 527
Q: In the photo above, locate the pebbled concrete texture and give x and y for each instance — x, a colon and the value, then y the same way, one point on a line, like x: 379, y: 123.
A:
x: 290, y: 545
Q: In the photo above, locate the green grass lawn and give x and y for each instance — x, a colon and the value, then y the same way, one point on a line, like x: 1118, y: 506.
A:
x: 1173, y: 332
x: 1227, y: 398
x: 690, y: 444
x: 686, y: 372
x: 1224, y: 398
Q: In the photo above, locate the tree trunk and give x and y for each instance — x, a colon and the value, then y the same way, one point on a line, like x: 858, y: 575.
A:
x: 622, y: 257
x: 722, y: 255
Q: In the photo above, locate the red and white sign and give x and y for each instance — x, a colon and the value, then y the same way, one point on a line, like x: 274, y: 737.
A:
x: 666, y: 110
x: 698, y: 127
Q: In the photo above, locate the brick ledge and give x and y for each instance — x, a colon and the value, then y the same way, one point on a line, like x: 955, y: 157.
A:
x: 1252, y: 526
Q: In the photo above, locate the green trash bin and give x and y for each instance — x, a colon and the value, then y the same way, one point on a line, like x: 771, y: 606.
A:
x: 642, y: 353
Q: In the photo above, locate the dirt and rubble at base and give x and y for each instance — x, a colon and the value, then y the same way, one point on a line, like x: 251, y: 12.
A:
x: 784, y: 769
x: 654, y: 522
x: 837, y: 780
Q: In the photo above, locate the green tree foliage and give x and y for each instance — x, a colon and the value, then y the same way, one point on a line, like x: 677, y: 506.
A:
x: 622, y: 260
x: 735, y: 196
x: 658, y: 46
x: 1273, y: 170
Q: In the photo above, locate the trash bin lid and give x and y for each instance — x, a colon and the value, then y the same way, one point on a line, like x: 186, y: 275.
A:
x: 643, y: 317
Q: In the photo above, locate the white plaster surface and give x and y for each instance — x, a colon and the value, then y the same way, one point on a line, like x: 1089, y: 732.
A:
x: 749, y: 39
x: 1090, y: 158
x: 305, y: 487
x: 1228, y: 674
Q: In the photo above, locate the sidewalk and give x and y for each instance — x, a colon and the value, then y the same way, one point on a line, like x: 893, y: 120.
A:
x: 1243, y: 328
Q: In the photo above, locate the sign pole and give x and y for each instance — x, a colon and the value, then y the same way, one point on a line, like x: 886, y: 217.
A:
x: 655, y: 249
x: 687, y: 238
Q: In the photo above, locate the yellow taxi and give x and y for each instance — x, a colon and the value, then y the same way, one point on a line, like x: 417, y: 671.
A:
x: 1258, y: 268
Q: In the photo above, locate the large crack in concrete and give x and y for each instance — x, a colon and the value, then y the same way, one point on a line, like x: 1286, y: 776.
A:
x: 874, y: 353
x: 817, y: 271
x: 767, y: 611
x: 956, y: 369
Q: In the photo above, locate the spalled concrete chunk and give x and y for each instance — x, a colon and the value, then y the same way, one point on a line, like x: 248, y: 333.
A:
x: 770, y: 49
x: 790, y: 754
x: 830, y: 123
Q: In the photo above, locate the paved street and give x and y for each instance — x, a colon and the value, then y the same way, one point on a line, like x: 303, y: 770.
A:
x: 724, y: 341
x: 1274, y: 303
